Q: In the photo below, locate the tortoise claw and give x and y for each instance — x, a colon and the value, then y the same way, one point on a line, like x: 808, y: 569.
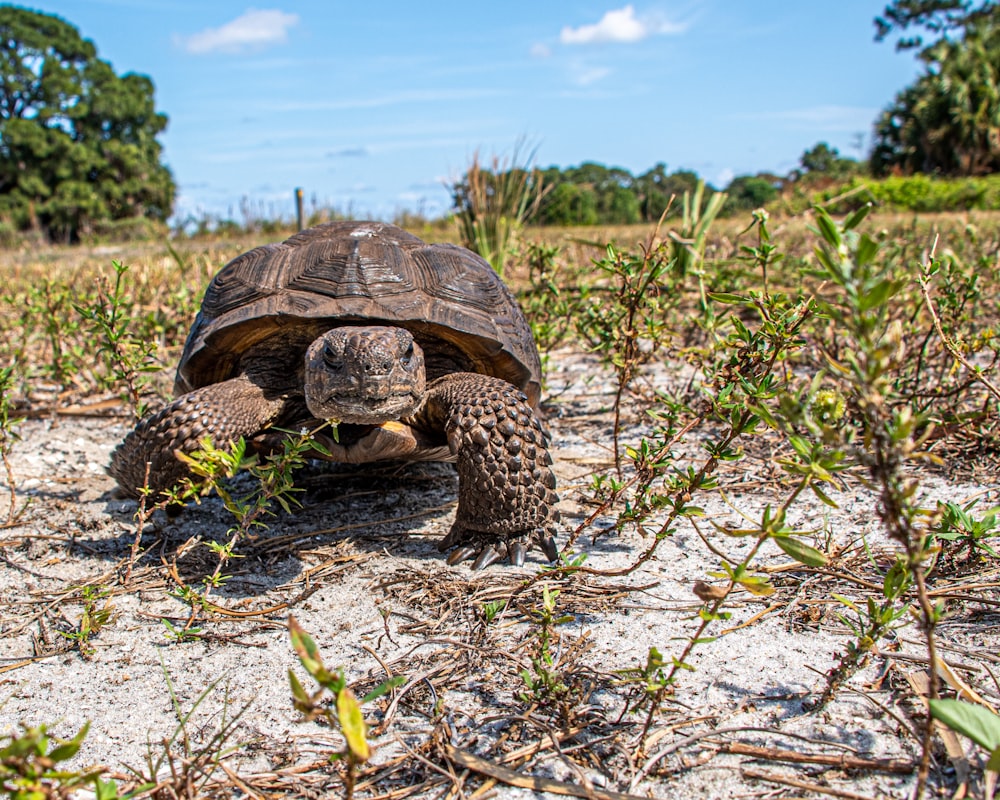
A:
x: 548, y: 545
x: 461, y: 554
x: 516, y: 551
x: 488, y: 555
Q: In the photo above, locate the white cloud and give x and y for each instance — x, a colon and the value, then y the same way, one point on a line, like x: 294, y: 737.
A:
x: 584, y: 76
x: 725, y: 177
x: 829, y: 117
x: 540, y: 50
x: 253, y: 30
x: 620, y: 25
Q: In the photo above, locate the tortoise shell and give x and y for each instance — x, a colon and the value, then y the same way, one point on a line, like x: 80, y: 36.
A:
x: 364, y: 273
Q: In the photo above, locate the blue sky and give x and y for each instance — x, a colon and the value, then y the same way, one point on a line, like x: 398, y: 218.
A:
x: 370, y: 107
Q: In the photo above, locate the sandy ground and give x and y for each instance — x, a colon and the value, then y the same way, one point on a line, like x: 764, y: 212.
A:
x: 358, y: 567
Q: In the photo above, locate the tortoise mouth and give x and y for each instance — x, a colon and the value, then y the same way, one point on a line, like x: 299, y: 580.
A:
x: 359, y: 410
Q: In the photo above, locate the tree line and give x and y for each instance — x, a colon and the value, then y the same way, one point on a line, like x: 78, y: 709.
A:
x: 79, y: 147
x: 594, y: 194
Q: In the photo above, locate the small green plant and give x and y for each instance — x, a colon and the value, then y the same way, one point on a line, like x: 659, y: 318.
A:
x: 29, y: 767
x: 8, y: 438
x: 545, y: 682
x: 491, y: 610
x: 97, y: 612
x: 870, y: 622
x: 210, y: 466
x: 965, y: 533
x: 649, y: 679
x: 627, y: 327
x: 345, y: 712
x: 50, y: 305
x: 126, y: 357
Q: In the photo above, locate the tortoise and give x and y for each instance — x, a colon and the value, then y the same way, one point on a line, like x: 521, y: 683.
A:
x: 415, y: 351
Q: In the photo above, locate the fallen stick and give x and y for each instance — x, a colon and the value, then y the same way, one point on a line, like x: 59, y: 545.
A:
x: 511, y: 778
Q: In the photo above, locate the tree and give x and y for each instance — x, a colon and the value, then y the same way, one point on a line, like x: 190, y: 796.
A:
x: 938, y: 17
x: 948, y: 122
x: 77, y: 141
x: 568, y: 204
x: 655, y: 188
x: 749, y: 192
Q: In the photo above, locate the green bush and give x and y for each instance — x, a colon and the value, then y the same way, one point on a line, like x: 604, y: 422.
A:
x: 917, y: 193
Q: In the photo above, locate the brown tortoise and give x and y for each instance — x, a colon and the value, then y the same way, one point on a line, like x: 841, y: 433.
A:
x: 418, y: 351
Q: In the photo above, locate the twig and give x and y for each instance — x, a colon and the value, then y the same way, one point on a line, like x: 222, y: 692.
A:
x: 811, y: 787
x: 512, y: 778
x: 827, y: 760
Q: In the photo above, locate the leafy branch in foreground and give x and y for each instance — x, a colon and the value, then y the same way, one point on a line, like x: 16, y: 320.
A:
x: 890, y: 435
x: 29, y: 767
x: 347, y: 714
x: 210, y: 467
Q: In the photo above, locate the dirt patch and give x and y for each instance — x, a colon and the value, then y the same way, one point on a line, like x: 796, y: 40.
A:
x: 358, y: 566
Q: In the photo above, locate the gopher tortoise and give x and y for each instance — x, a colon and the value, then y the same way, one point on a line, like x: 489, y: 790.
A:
x: 415, y: 351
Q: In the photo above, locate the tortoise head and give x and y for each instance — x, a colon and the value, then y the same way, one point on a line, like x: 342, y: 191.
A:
x: 364, y: 375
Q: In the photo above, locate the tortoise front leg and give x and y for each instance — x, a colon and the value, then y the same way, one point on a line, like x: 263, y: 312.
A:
x: 223, y: 411
x: 506, y: 497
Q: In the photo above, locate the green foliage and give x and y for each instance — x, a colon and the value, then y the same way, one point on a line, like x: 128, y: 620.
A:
x: 938, y: 17
x: 545, y: 683
x: 946, y: 122
x: 974, y: 721
x: 964, y: 532
x: 346, y: 711
x: 626, y: 327
x: 29, y: 767
x: 210, y: 466
x: 749, y: 192
x: 492, y: 204
x: 8, y: 438
x: 127, y: 356
x: 593, y: 194
x: 821, y: 159
x: 915, y: 193
x: 78, y: 142
x: 97, y: 612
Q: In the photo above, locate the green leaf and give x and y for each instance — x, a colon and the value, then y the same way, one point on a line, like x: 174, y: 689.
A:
x: 976, y: 722
x: 727, y: 297
x: 823, y: 496
x: 352, y: 723
x: 800, y: 551
x: 857, y: 217
x: 298, y: 691
x: 827, y: 228
x: 69, y: 748
x: 759, y: 587
x: 382, y: 688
